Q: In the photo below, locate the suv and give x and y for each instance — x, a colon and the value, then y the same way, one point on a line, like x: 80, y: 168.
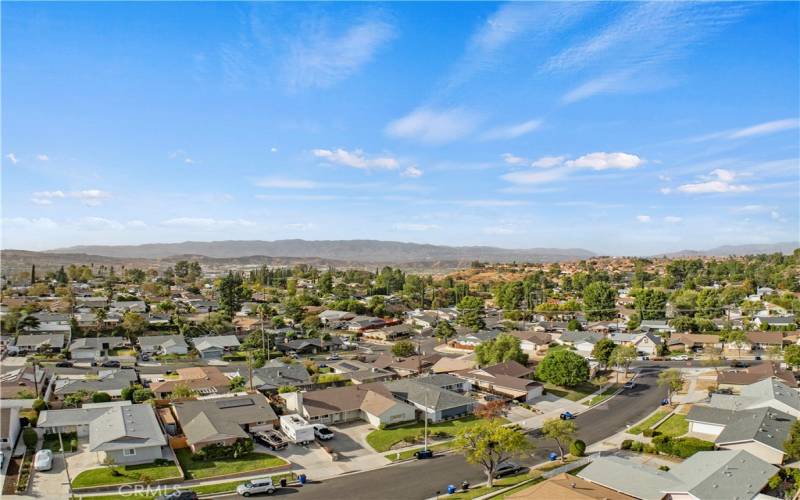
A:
x: 262, y: 485
x: 271, y: 439
x: 322, y: 432
x: 110, y: 364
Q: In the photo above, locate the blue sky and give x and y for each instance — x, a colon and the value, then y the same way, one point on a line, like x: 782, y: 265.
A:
x: 623, y: 128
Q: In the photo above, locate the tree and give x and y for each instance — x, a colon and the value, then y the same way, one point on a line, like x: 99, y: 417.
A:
x: 574, y: 325
x: 672, y: 379
x: 563, y: 368
x: 489, y: 444
x: 403, y: 348
x: 650, y: 303
x: 792, y: 444
x: 492, y: 409
x: 231, y: 294
x: 791, y: 355
x: 774, y: 352
x: 444, y: 330
x: 101, y: 397
x: 470, y: 312
x: 133, y: 324
x: 602, y: 351
x: 180, y: 391
x: 142, y: 394
x: 27, y: 322
x: 236, y: 384
x: 100, y: 318
x: 560, y: 431
x: 599, y: 299
x: 503, y: 348
x: 622, y: 357
x: 577, y: 448
x: 75, y: 399
x: 29, y: 437
x: 737, y: 338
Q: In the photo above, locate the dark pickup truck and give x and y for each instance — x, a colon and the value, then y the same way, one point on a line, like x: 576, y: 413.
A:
x: 271, y: 439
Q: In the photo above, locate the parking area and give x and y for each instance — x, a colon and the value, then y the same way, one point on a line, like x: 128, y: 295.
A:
x: 350, y: 440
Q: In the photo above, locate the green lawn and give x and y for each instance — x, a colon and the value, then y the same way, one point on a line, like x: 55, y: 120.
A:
x: 674, y: 426
x: 383, y: 440
x: 202, y: 469
x: 603, y: 395
x: 404, y: 455
x: 485, y: 490
x: 51, y: 442
x: 129, y: 474
x: 207, y: 489
x: 649, y: 421
x: 572, y: 393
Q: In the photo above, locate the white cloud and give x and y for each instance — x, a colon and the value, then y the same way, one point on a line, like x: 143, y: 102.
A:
x: 90, y: 197
x: 643, y: 218
x: 412, y: 172
x: 512, y: 131
x: 46, y: 197
x: 318, y: 59
x: 719, y: 181
x: 300, y: 226
x: 665, y: 190
x: 766, y: 128
x: 415, y: 227
x: 723, y: 175
x: 188, y: 161
x: 498, y: 230
x: 751, y: 209
x: 42, y: 157
x: 273, y: 150
x: 536, y: 177
x: 434, y: 126
x: 12, y: 158
x: 513, y: 160
x: 297, y: 197
x: 206, y: 223
x: 97, y: 224
x: 493, y: 203
x: 180, y: 155
x: 136, y: 224
x: 671, y: 219
x: 283, y: 183
x: 549, y: 161
x: 604, y: 161
x: 26, y: 223
x: 356, y: 159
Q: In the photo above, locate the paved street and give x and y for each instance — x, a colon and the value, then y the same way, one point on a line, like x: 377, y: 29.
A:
x: 418, y: 480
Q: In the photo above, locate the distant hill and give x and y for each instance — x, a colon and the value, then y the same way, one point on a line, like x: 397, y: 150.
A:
x: 363, y: 251
x: 786, y: 247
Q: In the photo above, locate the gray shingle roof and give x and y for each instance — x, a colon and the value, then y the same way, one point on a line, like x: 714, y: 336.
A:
x: 427, y: 395
x: 765, y: 425
x: 122, y: 427
x: 220, y: 418
x: 53, y: 340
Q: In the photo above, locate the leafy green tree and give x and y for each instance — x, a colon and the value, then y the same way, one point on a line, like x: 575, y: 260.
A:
x: 622, y: 357
x: 489, y: 444
x: 503, y: 348
x: 792, y: 444
x: 791, y: 355
x: 602, y: 351
x: 236, y: 384
x: 141, y: 394
x: 75, y: 399
x: 574, y: 325
x: 672, y: 379
x: 133, y: 324
x: 29, y: 437
x: 231, y: 294
x: 563, y: 368
x: 560, y: 431
x: 286, y: 388
x: 444, y: 330
x: 470, y: 313
x: 182, y: 390
x: 738, y: 339
x: 101, y: 397
x: 325, y: 284
x: 599, y: 299
x: 650, y: 303
x: 403, y: 348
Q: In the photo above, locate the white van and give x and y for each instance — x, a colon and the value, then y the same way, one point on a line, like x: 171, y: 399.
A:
x: 253, y: 486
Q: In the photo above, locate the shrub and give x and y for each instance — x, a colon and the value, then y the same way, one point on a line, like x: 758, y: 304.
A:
x: 39, y: 405
x: 382, y: 426
x: 161, y: 462
x: 637, y: 446
x: 649, y: 448
x: 686, y: 447
x: 577, y: 448
x: 665, y: 468
x: 101, y: 397
x: 73, y: 444
x: 216, y: 451
x: 29, y: 437
x: 649, y: 433
x: 663, y: 444
x: 626, y: 444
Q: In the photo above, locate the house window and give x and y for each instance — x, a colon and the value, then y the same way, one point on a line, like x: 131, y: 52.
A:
x: 129, y: 452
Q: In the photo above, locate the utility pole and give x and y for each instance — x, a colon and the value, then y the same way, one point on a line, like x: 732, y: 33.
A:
x: 66, y: 466
x: 250, y: 368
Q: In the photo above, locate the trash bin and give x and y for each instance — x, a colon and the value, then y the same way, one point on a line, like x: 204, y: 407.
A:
x: 451, y: 489
x: 553, y: 455
x: 283, y: 482
x: 302, y: 478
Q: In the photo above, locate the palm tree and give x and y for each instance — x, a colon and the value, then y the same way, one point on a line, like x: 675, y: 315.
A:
x: 100, y: 319
x: 28, y: 322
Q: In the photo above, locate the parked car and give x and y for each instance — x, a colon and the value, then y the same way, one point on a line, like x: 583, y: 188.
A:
x: 43, y: 460
x: 423, y: 454
x: 758, y: 358
x: 507, y: 469
x: 145, y: 357
x: 2, y: 459
x: 254, y: 486
x: 739, y: 364
x: 322, y: 432
x: 271, y: 439
x: 64, y: 364
x: 178, y: 495
x: 567, y: 416
x: 333, y: 357
x: 682, y: 357
x: 630, y: 385
x: 111, y: 364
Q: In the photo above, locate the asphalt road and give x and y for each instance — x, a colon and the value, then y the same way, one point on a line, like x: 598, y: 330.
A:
x: 417, y: 480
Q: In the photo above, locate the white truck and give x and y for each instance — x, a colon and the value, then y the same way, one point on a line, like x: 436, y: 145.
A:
x: 297, y: 429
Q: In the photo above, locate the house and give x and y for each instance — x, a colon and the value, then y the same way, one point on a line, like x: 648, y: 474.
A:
x: 47, y: 318
x: 215, y: 346
x: 120, y: 431
x: 532, y: 342
x: 760, y: 431
x: 472, y: 340
x: 706, y: 475
x: 445, y: 381
x: 163, y: 344
x: 761, y: 341
x: 439, y: 403
x: 94, y: 348
x: 33, y: 343
x: 500, y: 383
x: 359, y: 372
x: 123, y: 306
x: 364, y: 323
x: 112, y: 382
x: 223, y: 420
x: 276, y: 374
x: 582, y: 341
x: 389, y: 333
x: 784, y: 322
x: 311, y: 345
x: 693, y: 342
x: 449, y: 365
x: 28, y: 380
x: 770, y: 392
x: 655, y: 326
x: 203, y: 380
x: 423, y: 320
x: 9, y: 427
x: 372, y: 403
x: 567, y: 487
x: 332, y: 316
x: 509, y: 369
x: 647, y: 343
x: 405, y: 367
x: 735, y: 379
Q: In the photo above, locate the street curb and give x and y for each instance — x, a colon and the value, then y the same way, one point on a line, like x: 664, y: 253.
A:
x: 613, y: 395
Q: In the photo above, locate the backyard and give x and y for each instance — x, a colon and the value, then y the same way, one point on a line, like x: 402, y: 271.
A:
x: 103, y: 476
x: 252, y: 461
x: 383, y: 439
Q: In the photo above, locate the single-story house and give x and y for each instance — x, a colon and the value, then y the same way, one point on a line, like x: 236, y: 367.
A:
x: 388, y: 333
x: 771, y: 392
x: 693, y: 342
x: 760, y: 341
x: 163, y: 344
x: 47, y: 318
x: 405, y: 367
x: 656, y: 326
x: 204, y: 380
x: 110, y: 381
x: 94, y: 348
x: 532, y: 342
x: 123, y: 306
x: 775, y: 321
x: 46, y: 342
x: 364, y: 323
x: 582, y: 341
x: 472, y: 340
x: 215, y: 346
x: 223, y: 420
x: 360, y: 372
x: 123, y: 432
x: 567, y: 487
x: 9, y: 427
x: 760, y: 431
x: 332, y: 316
x: 519, y: 388
x: 735, y: 379
x: 423, y: 320
x: 449, y: 365
x: 647, y: 343
x: 439, y: 403
x: 276, y: 374
x: 372, y: 403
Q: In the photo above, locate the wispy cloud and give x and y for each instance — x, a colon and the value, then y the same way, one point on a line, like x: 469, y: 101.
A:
x: 512, y: 131
x: 410, y: 226
x: 411, y: 172
x: 180, y: 155
x: 718, y: 181
x: 553, y: 168
x: 672, y: 219
x: 12, y: 158
x: 283, y: 183
x: 89, y: 197
x: 643, y: 218
x: 434, y: 126
x: 766, y: 128
x: 42, y: 157
x: 356, y: 159
x: 206, y: 223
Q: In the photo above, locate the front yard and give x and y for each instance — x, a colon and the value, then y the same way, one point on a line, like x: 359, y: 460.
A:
x: 69, y: 439
x: 674, y: 426
x: 383, y: 439
x: 104, y: 476
x: 572, y: 393
x: 649, y: 421
x: 252, y: 461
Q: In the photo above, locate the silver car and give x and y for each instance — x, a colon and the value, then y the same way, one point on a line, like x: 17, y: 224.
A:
x: 43, y: 460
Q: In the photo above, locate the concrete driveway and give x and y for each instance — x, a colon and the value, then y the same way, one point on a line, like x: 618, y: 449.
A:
x: 350, y: 440
x: 52, y: 483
